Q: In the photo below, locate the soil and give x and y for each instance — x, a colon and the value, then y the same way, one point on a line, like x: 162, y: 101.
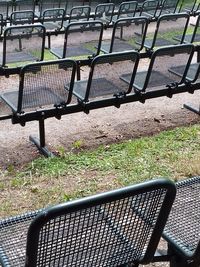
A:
x: 102, y: 126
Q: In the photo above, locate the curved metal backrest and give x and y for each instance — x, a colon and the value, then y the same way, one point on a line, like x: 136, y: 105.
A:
x: 182, y: 228
x: 79, y: 13
x: 22, y: 17
x: 23, y: 43
x: 54, y: 16
x: 133, y: 33
x: 105, y: 79
x: 150, y: 7
x: 104, y: 11
x: 89, y: 37
x: 109, y: 229
x: 46, y: 83
x: 161, y: 31
x: 189, y: 6
x: 162, y: 75
x: 127, y: 8
x: 169, y: 6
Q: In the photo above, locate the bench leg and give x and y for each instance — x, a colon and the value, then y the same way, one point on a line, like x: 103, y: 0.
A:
x: 40, y: 143
x: 195, y: 110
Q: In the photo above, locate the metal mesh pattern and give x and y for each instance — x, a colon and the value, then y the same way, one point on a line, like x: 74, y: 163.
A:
x: 183, y: 226
x: 45, y: 85
x: 82, y: 40
x: 127, y: 9
x: 165, y: 35
x: 13, y: 235
x: 106, y: 78
x: 24, y: 5
x: 105, y: 235
x: 161, y: 74
x: 21, y: 17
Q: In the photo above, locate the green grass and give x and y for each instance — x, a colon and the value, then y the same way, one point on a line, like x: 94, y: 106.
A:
x: 174, y: 154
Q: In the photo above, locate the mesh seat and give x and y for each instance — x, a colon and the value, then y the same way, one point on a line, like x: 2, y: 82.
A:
x: 22, y: 44
x: 189, y: 6
x: 82, y: 40
x: 39, y: 88
x: 166, y: 31
x: 182, y: 230
x: 105, y: 77
x: 102, y: 230
x: 158, y: 76
x: 127, y: 34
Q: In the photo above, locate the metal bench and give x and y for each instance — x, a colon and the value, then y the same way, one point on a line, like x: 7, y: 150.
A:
x: 104, y: 80
x: 102, y: 230
x: 81, y: 40
x: 22, y: 17
x: 150, y: 9
x: 156, y: 77
x: 38, y: 90
x: 104, y: 13
x: 127, y: 34
x: 183, y: 226
x: 165, y: 36
x: 17, y: 45
x: 126, y: 9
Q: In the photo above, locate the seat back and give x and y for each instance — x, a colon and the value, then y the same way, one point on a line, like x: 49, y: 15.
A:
x: 128, y: 34
x: 104, y: 79
x: 79, y: 13
x: 150, y: 8
x: 104, y: 12
x: 82, y: 40
x: 52, y: 19
x: 182, y: 228
x: 6, y: 9
x: 22, y: 5
x: 128, y: 8
x: 22, y: 44
x: 158, y: 76
x: 169, y: 6
x: 22, y: 17
x: 39, y: 87
x: 188, y: 6
x: 167, y: 30
x: 47, y: 4
x: 109, y: 229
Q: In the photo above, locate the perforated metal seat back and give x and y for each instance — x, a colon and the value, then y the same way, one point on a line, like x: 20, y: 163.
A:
x: 107, y: 230
x: 47, y: 83
x: 183, y: 226
x: 82, y: 40
x: 131, y: 36
x: 168, y: 27
x: 23, y: 44
x: 105, y: 77
x: 104, y: 12
x: 52, y: 19
x: 158, y: 75
x: 21, y: 17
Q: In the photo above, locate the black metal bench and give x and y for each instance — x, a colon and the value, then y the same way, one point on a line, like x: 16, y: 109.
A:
x: 160, y: 37
x: 127, y: 34
x: 38, y: 89
x: 156, y: 77
x: 17, y: 47
x: 102, y: 230
x: 182, y: 230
